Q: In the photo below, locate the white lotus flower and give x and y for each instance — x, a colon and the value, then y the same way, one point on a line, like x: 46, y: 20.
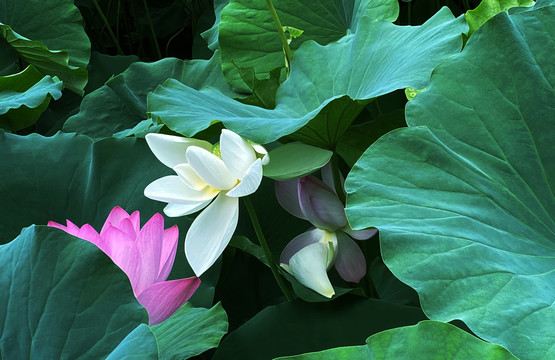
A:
x: 205, y: 172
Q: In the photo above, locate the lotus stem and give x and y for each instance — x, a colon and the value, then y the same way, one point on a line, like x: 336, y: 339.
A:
x: 279, y: 27
x: 260, y: 235
x: 156, y: 45
x: 108, y: 27
x: 337, y: 178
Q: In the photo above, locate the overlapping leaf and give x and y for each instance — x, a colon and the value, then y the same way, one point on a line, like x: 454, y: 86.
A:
x: 296, y: 327
x: 121, y: 103
x: 62, y: 298
x: 464, y: 198
x: 24, y: 96
x: 381, y: 58
x: 49, y: 35
x: 430, y: 340
x: 190, y: 331
x: 248, y: 35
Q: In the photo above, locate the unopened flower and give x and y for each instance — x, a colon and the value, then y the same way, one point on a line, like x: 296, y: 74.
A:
x: 145, y: 254
x: 309, y: 256
x: 207, y: 176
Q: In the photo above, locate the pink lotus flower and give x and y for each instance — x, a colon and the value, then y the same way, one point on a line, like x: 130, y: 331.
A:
x: 146, y: 255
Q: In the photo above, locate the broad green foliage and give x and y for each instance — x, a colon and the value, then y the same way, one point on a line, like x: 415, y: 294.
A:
x: 488, y: 9
x: 248, y: 35
x: 429, y: 340
x: 293, y: 160
x: 211, y: 35
x: 88, y: 182
x: 463, y: 198
x: 383, y: 58
x: 190, y: 331
x: 62, y: 298
x: 297, y: 327
x: 24, y: 96
x: 140, y: 344
x: 121, y: 103
x: 49, y: 35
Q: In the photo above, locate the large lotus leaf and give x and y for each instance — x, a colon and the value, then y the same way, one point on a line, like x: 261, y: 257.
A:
x: 463, y: 198
x: 488, y: 9
x: 382, y: 58
x: 211, y: 35
x: 140, y: 344
x: 297, y: 327
x: 248, y: 35
x: 24, y: 96
x: 55, y: 23
x: 431, y: 340
x: 62, y: 297
x: 121, y: 103
x: 190, y: 331
x: 49, y: 62
x: 68, y: 176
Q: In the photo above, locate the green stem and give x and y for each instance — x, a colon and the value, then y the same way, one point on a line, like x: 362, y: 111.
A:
x: 285, y: 44
x: 108, y: 27
x: 266, y: 248
x: 337, y: 178
x: 466, y: 5
x: 158, y: 52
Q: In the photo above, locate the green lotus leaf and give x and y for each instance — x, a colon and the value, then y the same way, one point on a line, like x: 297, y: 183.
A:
x: 121, y: 103
x: 211, y: 35
x: 297, y: 327
x: 49, y: 62
x: 68, y: 176
x: 293, y: 160
x: 488, y: 9
x: 427, y: 340
x: 62, y: 297
x: 55, y: 23
x: 383, y: 57
x: 463, y: 198
x: 248, y: 35
x: 140, y: 344
x: 49, y: 35
x: 190, y: 331
x: 24, y: 96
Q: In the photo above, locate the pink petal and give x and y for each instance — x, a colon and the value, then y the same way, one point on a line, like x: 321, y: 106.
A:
x: 136, y: 221
x: 169, y: 249
x: 162, y: 299
x: 86, y: 232
x: 299, y: 242
x: 349, y: 260
x: 123, y: 251
x: 287, y: 194
x: 149, y: 244
x: 114, y: 218
x: 320, y: 204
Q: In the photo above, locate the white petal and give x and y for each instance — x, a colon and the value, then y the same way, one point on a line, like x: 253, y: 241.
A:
x: 210, y: 233
x: 260, y: 150
x: 210, y: 168
x: 237, y: 154
x: 309, y: 268
x: 299, y: 242
x: 172, y: 189
x: 170, y: 150
x: 176, y: 210
x: 189, y: 176
x: 250, y: 182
